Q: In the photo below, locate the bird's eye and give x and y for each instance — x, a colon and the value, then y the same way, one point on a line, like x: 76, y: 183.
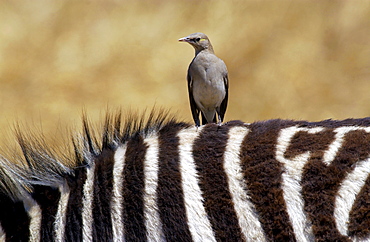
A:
x: 197, y: 39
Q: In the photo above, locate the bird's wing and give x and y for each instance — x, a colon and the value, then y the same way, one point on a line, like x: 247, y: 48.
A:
x: 223, y: 105
x: 193, y: 105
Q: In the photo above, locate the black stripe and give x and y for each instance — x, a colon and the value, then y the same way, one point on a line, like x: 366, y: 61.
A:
x: 103, y: 187
x: 14, y: 219
x: 133, y: 190
x: 169, y: 191
x: 262, y: 173
x: 208, y: 154
x: 47, y: 198
x: 73, y: 229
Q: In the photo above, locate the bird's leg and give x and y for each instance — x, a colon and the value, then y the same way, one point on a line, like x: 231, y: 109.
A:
x: 197, y: 122
x: 219, y: 119
x: 219, y: 123
x: 196, y: 118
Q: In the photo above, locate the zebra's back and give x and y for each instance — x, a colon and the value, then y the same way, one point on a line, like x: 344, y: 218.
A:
x: 276, y: 180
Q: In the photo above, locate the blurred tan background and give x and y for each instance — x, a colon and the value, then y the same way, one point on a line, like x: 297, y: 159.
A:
x: 286, y: 59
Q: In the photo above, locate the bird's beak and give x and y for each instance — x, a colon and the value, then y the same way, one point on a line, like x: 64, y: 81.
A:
x: 185, y: 39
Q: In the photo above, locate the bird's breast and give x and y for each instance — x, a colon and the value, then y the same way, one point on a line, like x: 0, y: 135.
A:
x: 208, y: 92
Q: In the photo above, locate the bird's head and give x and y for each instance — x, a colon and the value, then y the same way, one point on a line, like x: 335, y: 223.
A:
x: 199, y: 41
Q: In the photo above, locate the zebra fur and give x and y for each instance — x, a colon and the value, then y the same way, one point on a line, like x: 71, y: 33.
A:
x: 162, y: 180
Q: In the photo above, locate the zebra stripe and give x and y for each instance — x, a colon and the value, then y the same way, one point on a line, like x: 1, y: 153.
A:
x: 2, y: 234
x: 263, y: 179
x: 103, y: 187
x: 291, y: 181
x: 247, y: 217
x: 209, y: 165
x: 35, y: 214
x: 74, y: 224
x: 133, y: 191
x: 87, y: 201
x: 199, y: 225
x: 170, y: 194
x: 117, y: 199
x: 152, y: 220
x: 60, y: 220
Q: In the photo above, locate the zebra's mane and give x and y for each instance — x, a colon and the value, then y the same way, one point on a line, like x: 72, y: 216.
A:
x: 45, y: 165
x: 49, y: 165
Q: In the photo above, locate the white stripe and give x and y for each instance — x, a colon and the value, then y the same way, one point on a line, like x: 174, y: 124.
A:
x: 2, y: 234
x: 247, y: 216
x: 152, y: 219
x: 360, y: 239
x: 117, y: 199
x: 60, y: 219
x: 87, y: 201
x: 334, y: 147
x: 35, y: 214
x: 199, y: 225
x: 291, y: 179
x: 348, y: 192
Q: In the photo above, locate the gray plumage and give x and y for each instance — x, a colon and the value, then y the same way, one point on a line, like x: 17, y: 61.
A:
x: 207, y: 81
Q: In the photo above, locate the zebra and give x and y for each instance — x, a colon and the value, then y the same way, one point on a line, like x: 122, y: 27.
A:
x: 157, y: 179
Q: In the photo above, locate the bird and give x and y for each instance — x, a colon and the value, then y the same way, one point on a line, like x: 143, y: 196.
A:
x: 208, y: 82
